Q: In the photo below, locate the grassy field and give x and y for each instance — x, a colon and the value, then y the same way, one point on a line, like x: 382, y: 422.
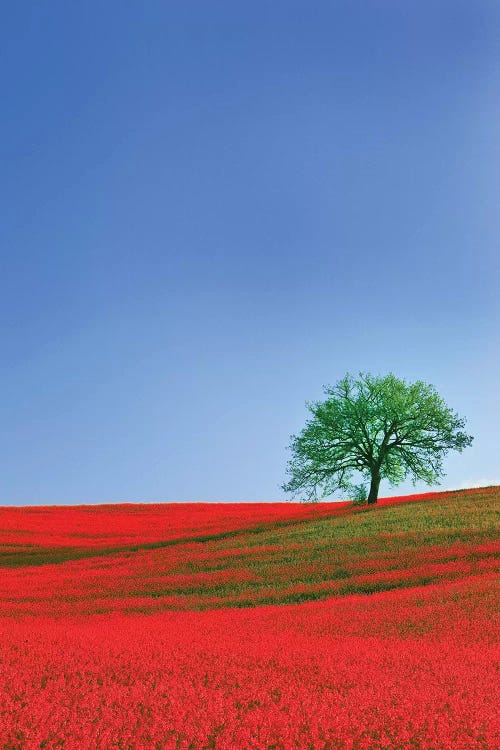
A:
x: 275, y: 626
x: 343, y: 550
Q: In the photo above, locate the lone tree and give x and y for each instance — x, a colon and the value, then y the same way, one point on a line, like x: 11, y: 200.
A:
x: 376, y: 428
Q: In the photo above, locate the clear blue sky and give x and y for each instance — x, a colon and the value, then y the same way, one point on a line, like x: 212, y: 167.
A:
x: 209, y: 210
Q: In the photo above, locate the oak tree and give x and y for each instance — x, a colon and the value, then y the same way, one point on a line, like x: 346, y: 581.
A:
x: 374, y: 428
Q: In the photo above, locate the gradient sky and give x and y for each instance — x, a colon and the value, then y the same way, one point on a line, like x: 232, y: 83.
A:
x: 209, y: 210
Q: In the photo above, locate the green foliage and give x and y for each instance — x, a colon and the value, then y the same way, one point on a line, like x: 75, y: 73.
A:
x: 374, y: 428
x: 359, y: 494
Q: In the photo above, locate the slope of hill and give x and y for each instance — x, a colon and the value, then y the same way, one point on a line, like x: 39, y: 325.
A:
x: 119, y: 633
x: 253, y: 555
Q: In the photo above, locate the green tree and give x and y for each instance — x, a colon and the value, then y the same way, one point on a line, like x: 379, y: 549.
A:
x: 377, y: 428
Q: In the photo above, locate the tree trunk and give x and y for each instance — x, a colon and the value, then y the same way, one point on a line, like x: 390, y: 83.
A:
x: 375, y: 484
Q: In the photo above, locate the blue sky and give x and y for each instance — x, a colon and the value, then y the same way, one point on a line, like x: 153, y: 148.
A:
x: 209, y: 210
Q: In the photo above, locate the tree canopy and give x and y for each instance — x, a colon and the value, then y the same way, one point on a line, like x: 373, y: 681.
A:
x: 373, y: 428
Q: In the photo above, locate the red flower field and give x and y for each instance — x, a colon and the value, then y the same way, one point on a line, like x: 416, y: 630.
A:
x: 252, y: 626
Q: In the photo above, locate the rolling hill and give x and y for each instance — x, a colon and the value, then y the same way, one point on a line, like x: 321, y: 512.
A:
x: 265, y: 625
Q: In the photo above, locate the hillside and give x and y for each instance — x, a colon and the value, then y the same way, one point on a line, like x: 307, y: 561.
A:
x: 193, y: 556
x: 277, y: 627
